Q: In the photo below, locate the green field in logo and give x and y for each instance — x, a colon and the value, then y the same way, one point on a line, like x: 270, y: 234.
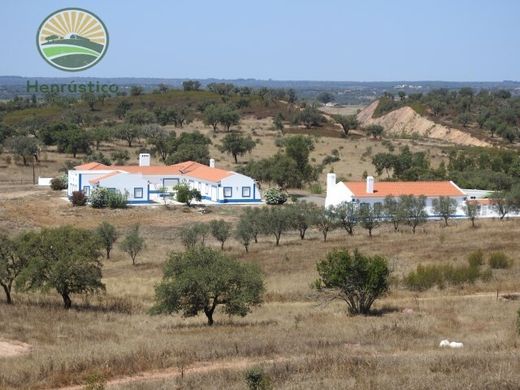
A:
x: 72, y: 39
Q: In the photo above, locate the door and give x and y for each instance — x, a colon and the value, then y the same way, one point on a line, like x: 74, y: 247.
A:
x: 214, y: 193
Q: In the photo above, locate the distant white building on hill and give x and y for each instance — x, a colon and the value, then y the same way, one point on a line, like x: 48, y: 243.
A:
x: 143, y: 183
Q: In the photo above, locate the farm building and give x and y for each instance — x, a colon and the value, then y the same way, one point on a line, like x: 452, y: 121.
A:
x: 370, y: 192
x: 143, y: 183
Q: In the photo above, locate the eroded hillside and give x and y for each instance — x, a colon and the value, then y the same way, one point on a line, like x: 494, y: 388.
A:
x: 406, y: 121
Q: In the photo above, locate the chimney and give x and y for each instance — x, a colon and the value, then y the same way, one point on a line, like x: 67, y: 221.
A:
x: 212, y: 163
x: 144, y: 160
x: 331, y: 181
x: 370, y: 184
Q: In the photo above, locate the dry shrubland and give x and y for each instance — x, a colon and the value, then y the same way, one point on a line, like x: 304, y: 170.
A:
x: 298, y: 340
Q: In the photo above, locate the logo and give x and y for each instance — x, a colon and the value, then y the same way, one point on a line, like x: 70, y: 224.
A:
x: 72, y: 39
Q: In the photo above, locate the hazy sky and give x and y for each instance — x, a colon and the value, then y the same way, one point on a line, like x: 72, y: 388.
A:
x: 363, y: 40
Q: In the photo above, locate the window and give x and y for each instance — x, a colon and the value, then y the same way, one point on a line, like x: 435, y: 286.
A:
x: 207, y: 188
x: 86, y: 190
x: 138, y: 192
x: 228, y: 192
x: 246, y: 192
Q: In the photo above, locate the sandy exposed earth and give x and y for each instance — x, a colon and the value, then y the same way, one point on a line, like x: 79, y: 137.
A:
x: 406, y: 120
x: 13, y: 348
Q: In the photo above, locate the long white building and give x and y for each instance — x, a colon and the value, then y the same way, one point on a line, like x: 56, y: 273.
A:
x: 373, y: 193
x: 143, y: 183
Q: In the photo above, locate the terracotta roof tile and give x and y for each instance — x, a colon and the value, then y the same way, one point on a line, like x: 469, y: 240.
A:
x: 398, y: 188
x: 188, y: 168
x: 91, y: 166
x: 98, y: 179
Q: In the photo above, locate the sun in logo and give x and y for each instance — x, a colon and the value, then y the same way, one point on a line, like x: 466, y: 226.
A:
x: 72, y: 39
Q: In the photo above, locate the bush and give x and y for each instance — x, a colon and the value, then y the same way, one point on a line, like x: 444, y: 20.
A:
x: 357, y: 279
x: 424, y: 278
x: 476, y: 259
x: 99, y: 198
x: 78, y: 198
x: 59, y: 183
x: 257, y: 379
x: 498, y: 260
x: 117, y: 200
x: 427, y: 276
x: 275, y: 196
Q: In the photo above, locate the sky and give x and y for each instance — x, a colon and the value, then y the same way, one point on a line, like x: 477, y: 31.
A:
x: 339, y: 40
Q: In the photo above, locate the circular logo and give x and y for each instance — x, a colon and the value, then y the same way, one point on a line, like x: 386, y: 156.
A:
x: 72, y: 39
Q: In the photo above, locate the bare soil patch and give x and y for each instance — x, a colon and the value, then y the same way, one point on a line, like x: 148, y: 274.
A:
x: 13, y: 348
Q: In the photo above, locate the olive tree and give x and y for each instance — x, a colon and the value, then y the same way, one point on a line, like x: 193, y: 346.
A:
x: 107, y: 235
x: 276, y: 221
x: 471, y: 211
x: 133, y: 243
x: 326, y: 221
x: 413, y: 209
x: 220, y: 230
x: 66, y: 259
x: 393, y: 211
x: 12, y: 263
x: 370, y: 218
x: 201, y: 279
x: 347, y: 214
x: 354, y: 278
x: 445, y: 207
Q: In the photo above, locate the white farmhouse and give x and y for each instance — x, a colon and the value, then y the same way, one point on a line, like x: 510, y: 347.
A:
x: 143, y: 183
x: 370, y: 192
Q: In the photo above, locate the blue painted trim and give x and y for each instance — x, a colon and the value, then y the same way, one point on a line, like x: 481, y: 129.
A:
x: 205, y: 197
x: 148, y: 192
x: 140, y: 202
x: 227, y: 200
x: 79, y: 182
x: 254, y: 191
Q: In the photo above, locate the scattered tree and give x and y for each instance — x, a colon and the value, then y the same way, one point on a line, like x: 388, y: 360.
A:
x: 201, y: 279
x: 220, y: 230
x: 133, y: 243
x: 107, y: 235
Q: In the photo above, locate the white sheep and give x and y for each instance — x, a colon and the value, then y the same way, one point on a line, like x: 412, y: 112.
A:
x: 452, y: 344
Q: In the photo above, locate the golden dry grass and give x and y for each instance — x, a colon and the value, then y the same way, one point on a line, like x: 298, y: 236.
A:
x: 113, y: 336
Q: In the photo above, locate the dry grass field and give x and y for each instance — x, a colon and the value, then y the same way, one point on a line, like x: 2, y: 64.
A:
x: 298, y: 340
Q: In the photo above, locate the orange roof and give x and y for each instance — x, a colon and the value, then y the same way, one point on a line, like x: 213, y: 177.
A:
x: 398, y: 188
x: 98, y: 179
x: 188, y: 168
x: 91, y: 166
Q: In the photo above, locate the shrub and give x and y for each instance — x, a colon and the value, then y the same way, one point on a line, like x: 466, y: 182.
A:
x: 78, y: 198
x: 99, y: 198
x: 185, y: 194
x: 117, y: 200
x: 476, y: 259
x: 424, y: 278
x: 427, y: 276
x: 498, y: 260
x: 257, y: 379
x: 357, y: 279
x: 59, y: 183
x: 275, y: 196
